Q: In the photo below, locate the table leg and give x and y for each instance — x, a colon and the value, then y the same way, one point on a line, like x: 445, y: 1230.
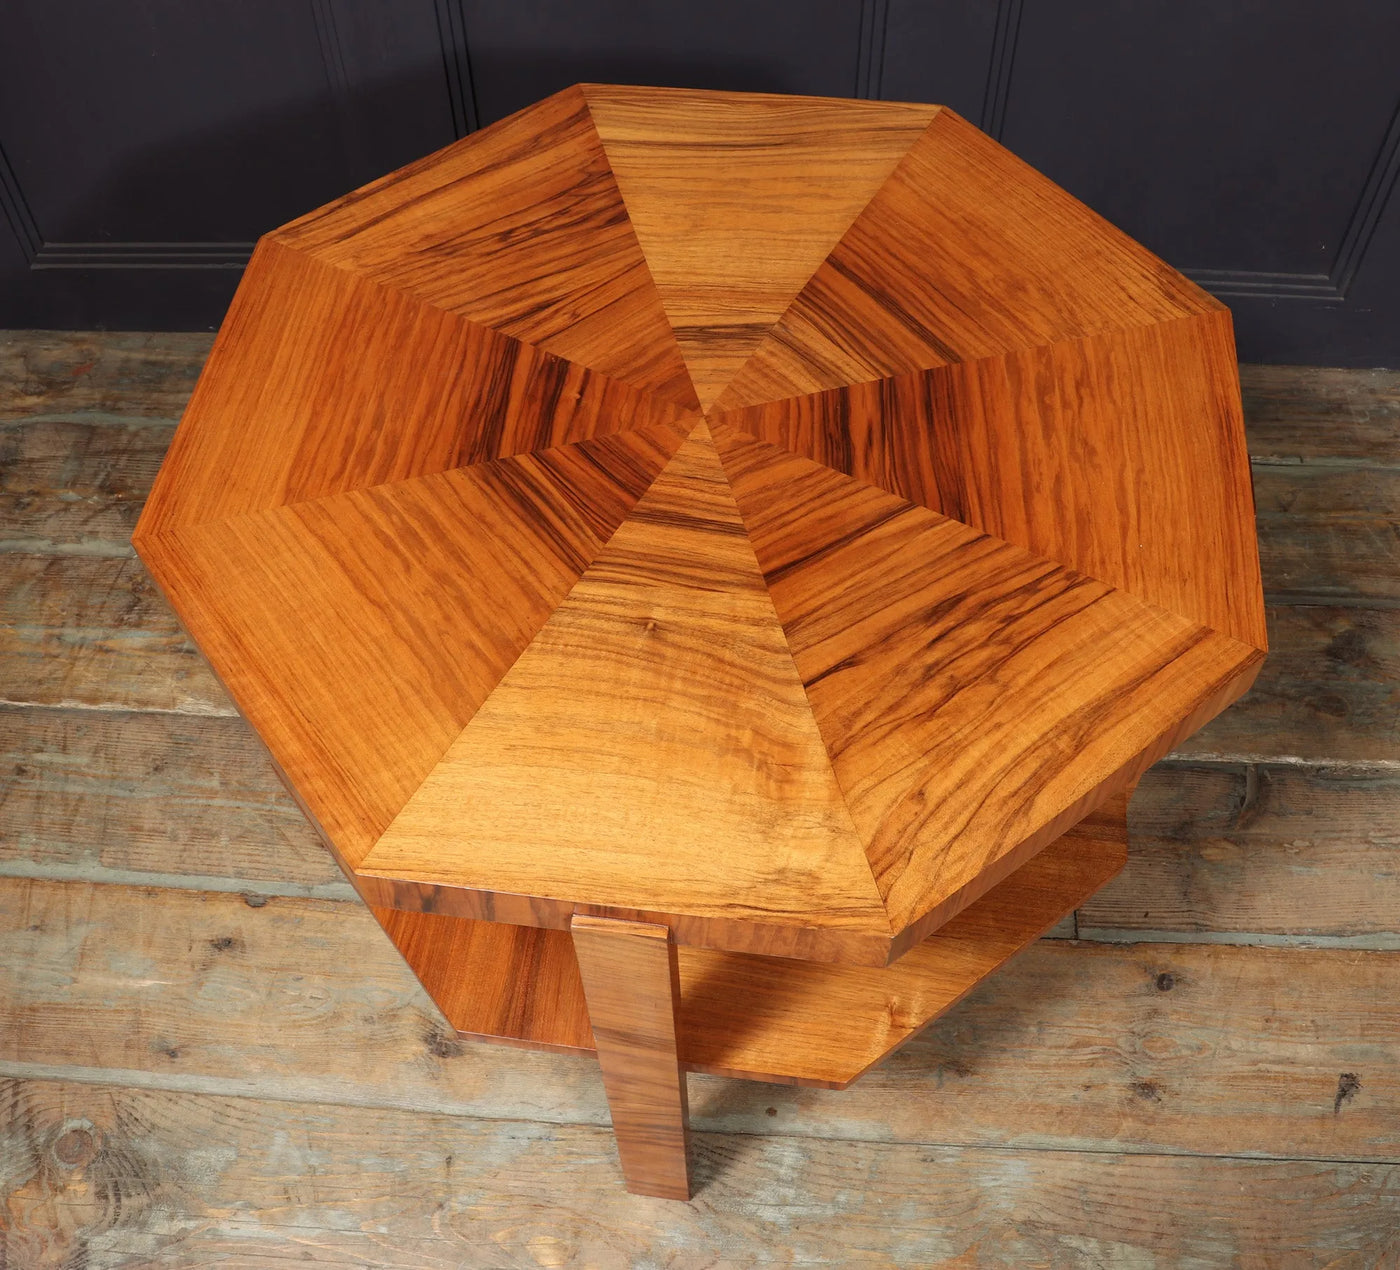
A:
x: 632, y: 990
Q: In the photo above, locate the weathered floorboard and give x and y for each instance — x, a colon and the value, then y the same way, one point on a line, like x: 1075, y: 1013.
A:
x: 1329, y: 534
x: 95, y: 632
x: 58, y: 374
x: 1329, y: 692
x: 1213, y: 1049
x: 75, y: 485
x: 121, y: 1177
x: 1278, y: 850
x: 108, y: 795
x: 1300, y: 414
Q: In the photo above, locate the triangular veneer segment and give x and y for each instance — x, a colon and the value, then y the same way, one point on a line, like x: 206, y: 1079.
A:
x: 359, y: 632
x: 968, y: 692
x: 376, y: 387
x: 652, y: 749
x: 519, y: 227
x: 708, y: 181
x: 964, y: 253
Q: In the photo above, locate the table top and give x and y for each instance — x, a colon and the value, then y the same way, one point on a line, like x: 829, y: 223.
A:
x: 775, y: 517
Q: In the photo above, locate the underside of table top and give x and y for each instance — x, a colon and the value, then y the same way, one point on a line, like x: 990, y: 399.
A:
x: 774, y: 518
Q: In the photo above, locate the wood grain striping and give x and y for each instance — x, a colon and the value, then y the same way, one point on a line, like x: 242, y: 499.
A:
x: 708, y: 180
x: 465, y: 568
x: 357, y: 385
x: 661, y: 697
x: 518, y: 227
x: 964, y: 253
x: 632, y: 986
x: 924, y: 648
x: 1099, y: 454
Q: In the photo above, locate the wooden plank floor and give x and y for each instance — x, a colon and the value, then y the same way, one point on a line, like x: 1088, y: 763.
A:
x: 209, y: 1053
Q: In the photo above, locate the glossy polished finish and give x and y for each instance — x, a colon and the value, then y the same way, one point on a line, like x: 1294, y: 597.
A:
x: 630, y: 979
x: 775, y: 521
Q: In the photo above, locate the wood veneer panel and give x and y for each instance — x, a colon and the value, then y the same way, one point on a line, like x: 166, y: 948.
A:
x: 322, y: 381
x: 359, y: 632
x: 1121, y: 456
x: 975, y: 700
x: 629, y: 976
x: 652, y: 752
x: 709, y: 182
x: 964, y: 253
x: 808, y: 1023
x: 754, y: 1017
x: 519, y: 227
x: 493, y: 981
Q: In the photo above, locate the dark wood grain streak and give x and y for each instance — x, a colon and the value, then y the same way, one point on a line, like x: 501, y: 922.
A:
x: 359, y: 385
x: 632, y: 985
x: 424, y: 625
x: 519, y: 227
x: 921, y: 644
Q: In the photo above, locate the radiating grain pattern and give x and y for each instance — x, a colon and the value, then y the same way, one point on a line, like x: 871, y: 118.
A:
x: 1121, y: 456
x: 964, y: 253
x: 419, y: 594
x: 632, y: 987
x: 975, y: 700
x: 338, y: 383
x: 710, y: 182
x: 519, y: 227
x: 651, y: 754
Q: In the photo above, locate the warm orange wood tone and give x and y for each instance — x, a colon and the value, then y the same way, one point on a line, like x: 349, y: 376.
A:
x: 360, y: 631
x: 631, y: 985
x: 662, y: 697
x: 787, y: 525
x: 709, y: 181
x: 761, y: 1018
x: 982, y: 343
x: 493, y: 981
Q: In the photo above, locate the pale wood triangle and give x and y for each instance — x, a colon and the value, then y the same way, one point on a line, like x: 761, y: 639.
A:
x: 708, y: 181
x: 652, y: 748
x: 413, y: 593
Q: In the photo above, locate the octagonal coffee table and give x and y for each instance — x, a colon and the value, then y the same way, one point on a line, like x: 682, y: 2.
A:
x: 713, y: 568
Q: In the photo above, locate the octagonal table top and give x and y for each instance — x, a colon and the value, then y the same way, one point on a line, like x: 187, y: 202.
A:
x: 775, y: 517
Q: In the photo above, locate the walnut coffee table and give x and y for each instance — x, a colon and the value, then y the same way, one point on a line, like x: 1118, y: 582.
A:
x: 713, y: 567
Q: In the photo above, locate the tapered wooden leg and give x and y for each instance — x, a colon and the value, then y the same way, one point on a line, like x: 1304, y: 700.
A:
x: 632, y: 990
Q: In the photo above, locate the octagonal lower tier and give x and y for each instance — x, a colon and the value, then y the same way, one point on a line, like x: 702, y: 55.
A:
x: 760, y: 1018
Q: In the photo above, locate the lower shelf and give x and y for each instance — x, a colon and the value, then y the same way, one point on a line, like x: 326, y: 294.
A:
x: 761, y: 1018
